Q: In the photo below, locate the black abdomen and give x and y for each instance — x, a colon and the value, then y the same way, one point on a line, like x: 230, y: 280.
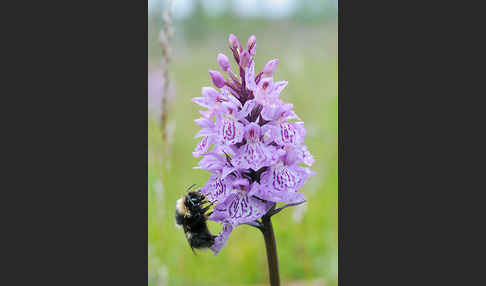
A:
x: 201, y: 239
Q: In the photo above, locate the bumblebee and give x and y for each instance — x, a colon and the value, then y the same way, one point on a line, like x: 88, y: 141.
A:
x: 191, y: 215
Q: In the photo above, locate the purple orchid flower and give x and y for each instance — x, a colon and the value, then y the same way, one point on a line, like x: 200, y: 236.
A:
x: 211, y: 99
x: 256, y: 139
x: 282, y: 130
x: 268, y: 93
x: 280, y: 183
x: 240, y: 206
x: 254, y: 154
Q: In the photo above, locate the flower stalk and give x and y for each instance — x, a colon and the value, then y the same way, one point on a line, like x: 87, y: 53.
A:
x: 271, y: 247
x: 266, y: 227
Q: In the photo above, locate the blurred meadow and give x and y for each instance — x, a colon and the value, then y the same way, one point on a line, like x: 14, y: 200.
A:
x: 304, y: 39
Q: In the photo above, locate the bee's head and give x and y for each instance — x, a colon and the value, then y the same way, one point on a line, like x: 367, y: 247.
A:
x: 194, y: 198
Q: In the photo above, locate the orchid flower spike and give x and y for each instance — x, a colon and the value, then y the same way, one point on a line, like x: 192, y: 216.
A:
x: 252, y: 143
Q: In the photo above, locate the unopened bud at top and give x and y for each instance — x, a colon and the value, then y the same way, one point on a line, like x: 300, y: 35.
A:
x: 251, y: 45
x: 217, y: 78
x: 244, y: 59
x: 233, y: 42
x: 223, y: 62
x: 270, y: 67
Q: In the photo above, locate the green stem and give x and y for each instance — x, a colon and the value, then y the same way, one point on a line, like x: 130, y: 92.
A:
x: 270, y: 245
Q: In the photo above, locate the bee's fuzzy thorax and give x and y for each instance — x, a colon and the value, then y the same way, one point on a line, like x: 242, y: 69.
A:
x: 181, y: 207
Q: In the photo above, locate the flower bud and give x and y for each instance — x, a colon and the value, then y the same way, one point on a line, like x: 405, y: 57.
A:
x: 270, y: 67
x: 244, y: 59
x: 251, y: 45
x: 223, y: 62
x: 233, y: 42
x: 217, y: 78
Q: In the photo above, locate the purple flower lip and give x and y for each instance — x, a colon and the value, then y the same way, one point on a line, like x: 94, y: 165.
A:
x: 250, y: 141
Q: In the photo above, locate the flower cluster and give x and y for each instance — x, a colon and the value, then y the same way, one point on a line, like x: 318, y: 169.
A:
x: 257, y: 142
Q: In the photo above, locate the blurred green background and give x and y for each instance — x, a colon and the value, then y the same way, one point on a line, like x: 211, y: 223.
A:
x: 304, y: 39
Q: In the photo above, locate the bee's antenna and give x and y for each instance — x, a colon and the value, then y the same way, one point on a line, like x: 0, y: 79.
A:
x: 188, y: 189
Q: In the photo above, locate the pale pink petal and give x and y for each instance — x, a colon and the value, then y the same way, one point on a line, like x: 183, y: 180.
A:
x: 247, y: 108
x: 202, y: 101
x: 202, y: 147
x: 250, y: 77
x: 221, y: 238
x: 280, y: 85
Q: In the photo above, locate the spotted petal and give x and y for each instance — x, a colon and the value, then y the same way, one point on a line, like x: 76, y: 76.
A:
x: 202, y: 147
x: 217, y: 188
x: 252, y: 155
x: 281, y: 184
x: 221, y: 238
x: 239, y: 208
x: 285, y: 134
x: 252, y: 132
x: 230, y: 131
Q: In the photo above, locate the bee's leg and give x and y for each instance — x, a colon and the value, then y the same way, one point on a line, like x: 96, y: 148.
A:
x: 205, y: 200
x: 209, y: 206
x: 206, y: 209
